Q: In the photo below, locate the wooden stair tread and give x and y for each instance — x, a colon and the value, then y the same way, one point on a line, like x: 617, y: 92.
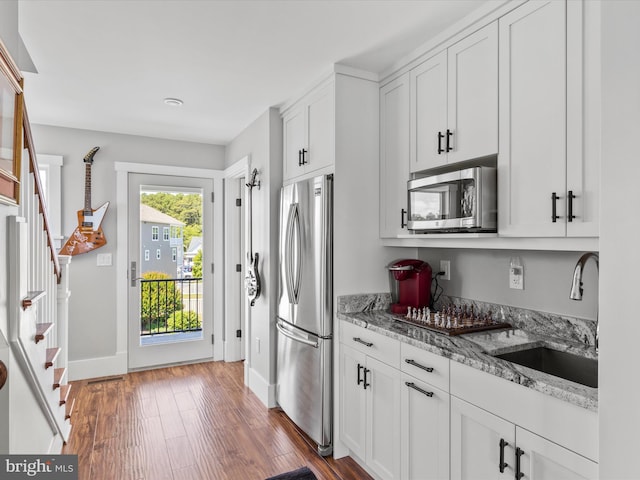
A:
x: 52, y: 353
x: 69, y: 408
x: 58, y: 375
x: 64, y: 393
x: 32, y: 297
x: 42, y: 329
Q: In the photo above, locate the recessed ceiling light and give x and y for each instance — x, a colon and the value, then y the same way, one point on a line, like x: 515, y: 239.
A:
x: 174, y: 102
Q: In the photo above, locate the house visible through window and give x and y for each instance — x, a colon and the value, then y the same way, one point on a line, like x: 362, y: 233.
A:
x: 174, y: 254
x: 165, y: 234
x: 146, y: 255
x: 155, y: 234
x: 158, y: 254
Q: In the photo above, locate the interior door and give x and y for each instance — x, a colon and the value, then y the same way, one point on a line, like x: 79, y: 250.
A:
x: 170, y: 250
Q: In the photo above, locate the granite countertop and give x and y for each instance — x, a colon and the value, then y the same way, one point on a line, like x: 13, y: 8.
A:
x: 472, y: 349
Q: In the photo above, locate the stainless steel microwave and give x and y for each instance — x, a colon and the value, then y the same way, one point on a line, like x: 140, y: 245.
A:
x: 459, y: 201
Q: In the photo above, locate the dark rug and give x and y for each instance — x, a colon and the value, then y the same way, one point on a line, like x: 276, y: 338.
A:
x: 300, y: 474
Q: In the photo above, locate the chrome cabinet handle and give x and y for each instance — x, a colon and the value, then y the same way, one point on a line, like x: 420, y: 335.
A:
x: 418, y: 389
x: 359, y: 340
x: 416, y: 364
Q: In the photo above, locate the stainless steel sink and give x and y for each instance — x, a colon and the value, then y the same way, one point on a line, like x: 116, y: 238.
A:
x: 571, y: 367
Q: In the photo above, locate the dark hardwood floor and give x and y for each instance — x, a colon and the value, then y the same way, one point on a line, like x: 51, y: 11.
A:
x: 188, y: 422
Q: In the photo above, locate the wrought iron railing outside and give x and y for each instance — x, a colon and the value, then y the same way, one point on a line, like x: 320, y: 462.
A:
x: 172, y: 305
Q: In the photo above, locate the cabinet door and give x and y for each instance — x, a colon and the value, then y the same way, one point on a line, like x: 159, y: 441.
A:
x: 425, y: 431
x: 532, y: 159
x: 475, y: 443
x: 352, y: 400
x: 583, y: 117
x: 473, y: 95
x: 320, y: 151
x: 394, y: 156
x: 383, y: 419
x: 294, y: 142
x: 429, y: 113
x: 542, y: 459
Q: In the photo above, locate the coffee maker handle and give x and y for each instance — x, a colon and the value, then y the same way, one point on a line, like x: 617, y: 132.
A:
x: 401, y: 268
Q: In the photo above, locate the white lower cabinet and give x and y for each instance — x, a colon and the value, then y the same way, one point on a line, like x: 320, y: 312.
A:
x: 485, y: 446
x: 370, y: 411
x: 424, y: 431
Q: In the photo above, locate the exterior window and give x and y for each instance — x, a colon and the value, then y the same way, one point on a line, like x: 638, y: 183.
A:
x: 174, y: 254
x: 146, y: 255
x: 158, y: 254
x: 165, y: 234
x: 155, y: 233
x: 175, y: 232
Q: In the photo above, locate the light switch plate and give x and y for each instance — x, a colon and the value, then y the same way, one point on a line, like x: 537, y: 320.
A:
x: 516, y: 274
x: 104, y: 260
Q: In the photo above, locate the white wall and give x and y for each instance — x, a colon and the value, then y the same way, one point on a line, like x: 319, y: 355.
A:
x: 619, y: 383
x: 92, y: 307
x: 484, y: 275
x: 262, y: 143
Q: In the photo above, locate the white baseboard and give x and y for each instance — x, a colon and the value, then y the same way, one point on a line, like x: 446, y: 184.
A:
x: 264, y: 391
x: 98, y: 367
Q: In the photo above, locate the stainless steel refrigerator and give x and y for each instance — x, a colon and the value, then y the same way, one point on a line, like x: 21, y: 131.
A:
x: 304, y: 322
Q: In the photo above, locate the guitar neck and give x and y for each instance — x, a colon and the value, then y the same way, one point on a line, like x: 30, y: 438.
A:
x: 87, y: 187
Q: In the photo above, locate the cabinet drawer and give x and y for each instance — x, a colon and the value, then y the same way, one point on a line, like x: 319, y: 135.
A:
x: 426, y: 366
x: 373, y: 344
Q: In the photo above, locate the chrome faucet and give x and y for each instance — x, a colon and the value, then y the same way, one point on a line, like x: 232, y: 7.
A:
x: 576, y: 285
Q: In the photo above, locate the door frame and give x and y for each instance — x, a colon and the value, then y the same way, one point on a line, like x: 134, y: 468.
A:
x: 123, y: 169
x: 234, y: 291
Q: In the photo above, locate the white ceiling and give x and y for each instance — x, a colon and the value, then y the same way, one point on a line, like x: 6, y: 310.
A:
x: 107, y: 65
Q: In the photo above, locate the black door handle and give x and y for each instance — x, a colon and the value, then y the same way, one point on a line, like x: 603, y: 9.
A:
x: 570, y: 197
x: 440, y: 137
x: 519, y: 453
x: 502, y: 465
x: 299, y: 158
x: 360, y: 367
x: 366, y: 370
x: 554, y: 201
x: 449, y: 142
x: 304, y: 152
x: 403, y: 224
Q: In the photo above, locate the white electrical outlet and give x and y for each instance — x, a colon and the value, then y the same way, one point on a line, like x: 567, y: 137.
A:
x: 445, y: 266
x: 516, y: 274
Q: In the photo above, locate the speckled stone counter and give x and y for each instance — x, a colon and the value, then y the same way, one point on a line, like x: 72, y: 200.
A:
x: 533, y: 329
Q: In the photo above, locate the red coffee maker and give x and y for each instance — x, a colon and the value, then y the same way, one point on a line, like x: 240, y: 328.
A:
x: 410, y: 282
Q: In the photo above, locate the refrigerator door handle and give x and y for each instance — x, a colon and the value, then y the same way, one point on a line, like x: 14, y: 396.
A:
x: 293, y: 254
x: 294, y: 337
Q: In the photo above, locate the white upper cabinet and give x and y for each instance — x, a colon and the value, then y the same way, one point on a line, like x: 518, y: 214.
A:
x: 308, y: 130
x: 548, y: 167
x: 429, y: 113
x: 394, y: 156
x: 454, y: 102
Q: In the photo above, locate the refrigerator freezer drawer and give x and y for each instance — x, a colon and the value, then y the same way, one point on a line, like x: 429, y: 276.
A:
x: 304, y: 381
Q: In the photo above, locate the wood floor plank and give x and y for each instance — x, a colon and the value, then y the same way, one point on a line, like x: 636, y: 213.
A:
x: 196, y: 422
